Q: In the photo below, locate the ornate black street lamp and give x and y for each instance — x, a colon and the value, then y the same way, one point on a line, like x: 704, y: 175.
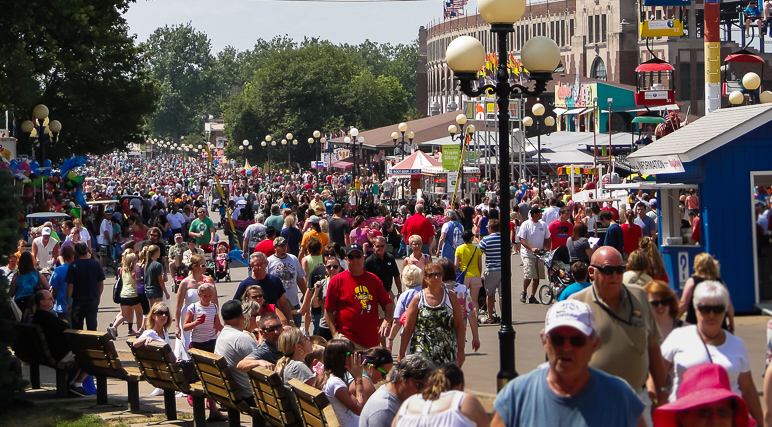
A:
x: 540, y: 56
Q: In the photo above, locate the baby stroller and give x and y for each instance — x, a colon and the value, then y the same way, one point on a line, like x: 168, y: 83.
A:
x: 209, y: 257
x: 222, y: 266
x: 558, y: 263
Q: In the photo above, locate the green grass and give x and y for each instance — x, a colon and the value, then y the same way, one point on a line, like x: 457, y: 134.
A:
x: 52, y: 416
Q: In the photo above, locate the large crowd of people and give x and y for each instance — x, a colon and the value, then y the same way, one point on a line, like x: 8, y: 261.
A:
x: 340, y: 267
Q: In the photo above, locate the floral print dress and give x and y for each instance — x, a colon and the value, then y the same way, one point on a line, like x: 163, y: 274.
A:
x: 434, y: 335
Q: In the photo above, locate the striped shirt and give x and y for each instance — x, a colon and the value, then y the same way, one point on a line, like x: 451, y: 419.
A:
x: 205, y: 331
x: 491, y: 247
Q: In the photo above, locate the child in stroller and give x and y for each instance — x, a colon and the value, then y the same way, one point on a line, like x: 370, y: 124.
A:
x: 222, y: 267
x: 558, y: 274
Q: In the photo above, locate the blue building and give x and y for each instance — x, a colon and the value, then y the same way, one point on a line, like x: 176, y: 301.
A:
x: 725, y: 155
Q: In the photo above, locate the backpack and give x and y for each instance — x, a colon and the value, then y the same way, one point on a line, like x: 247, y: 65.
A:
x: 457, y: 238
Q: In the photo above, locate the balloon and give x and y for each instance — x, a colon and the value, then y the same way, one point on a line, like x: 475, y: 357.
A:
x: 47, y: 163
x: 249, y: 171
x: 71, y: 174
x: 37, y: 182
x: 14, y: 164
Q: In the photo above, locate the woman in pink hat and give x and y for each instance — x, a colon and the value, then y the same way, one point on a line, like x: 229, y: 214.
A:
x: 705, y: 398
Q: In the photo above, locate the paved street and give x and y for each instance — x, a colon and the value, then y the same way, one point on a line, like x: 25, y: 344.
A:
x: 481, y: 367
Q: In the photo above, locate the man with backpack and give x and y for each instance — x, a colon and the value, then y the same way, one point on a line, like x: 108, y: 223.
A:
x: 451, y: 236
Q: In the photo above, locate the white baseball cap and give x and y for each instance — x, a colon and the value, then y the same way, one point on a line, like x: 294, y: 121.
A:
x: 575, y: 314
x: 46, y: 231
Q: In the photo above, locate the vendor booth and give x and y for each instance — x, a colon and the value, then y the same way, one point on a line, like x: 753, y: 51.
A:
x: 409, y: 172
x: 437, y: 182
x: 724, y: 156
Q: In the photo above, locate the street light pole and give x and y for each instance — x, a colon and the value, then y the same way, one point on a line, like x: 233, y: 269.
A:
x: 542, y: 126
x: 466, y: 56
x: 319, y: 139
x: 465, y: 132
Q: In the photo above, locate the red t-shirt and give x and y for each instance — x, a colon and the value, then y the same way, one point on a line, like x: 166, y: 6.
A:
x: 267, y: 308
x: 696, y: 226
x: 355, y: 300
x: 559, y: 233
x: 420, y: 225
x: 631, y: 236
x: 265, y: 246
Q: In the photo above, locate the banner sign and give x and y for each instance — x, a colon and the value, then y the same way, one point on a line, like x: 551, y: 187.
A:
x: 451, y: 154
x: 657, y: 164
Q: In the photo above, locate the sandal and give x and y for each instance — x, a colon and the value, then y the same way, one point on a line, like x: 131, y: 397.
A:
x: 218, y: 419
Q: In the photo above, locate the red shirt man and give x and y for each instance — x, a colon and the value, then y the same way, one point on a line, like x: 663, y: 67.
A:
x: 266, y: 245
x: 420, y: 225
x: 560, y: 229
x: 353, y: 297
x: 614, y: 211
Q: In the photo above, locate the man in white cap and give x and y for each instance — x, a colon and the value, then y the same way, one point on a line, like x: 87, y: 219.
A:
x: 45, y: 249
x: 568, y: 391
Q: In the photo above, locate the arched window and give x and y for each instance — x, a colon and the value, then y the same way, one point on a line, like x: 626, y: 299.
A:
x: 598, y: 70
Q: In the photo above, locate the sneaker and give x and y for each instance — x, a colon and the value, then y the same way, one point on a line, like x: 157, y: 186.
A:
x: 133, y: 333
x: 157, y: 392
x: 522, y: 297
x: 494, y: 319
x: 139, y: 333
x: 488, y: 321
x: 77, y: 391
x: 113, y: 332
x: 532, y: 300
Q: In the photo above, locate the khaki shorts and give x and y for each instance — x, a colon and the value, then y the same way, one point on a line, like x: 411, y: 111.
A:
x: 472, y: 282
x: 381, y: 313
x: 533, y: 268
x: 492, y: 281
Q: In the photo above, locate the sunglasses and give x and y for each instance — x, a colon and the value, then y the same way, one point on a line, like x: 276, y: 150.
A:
x: 379, y: 369
x: 332, y: 267
x: 716, y: 309
x: 662, y: 302
x: 707, y: 413
x: 155, y: 235
x: 280, y: 245
x: 380, y: 246
x: 256, y: 296
x: 608, y: 270
x: 272, y: 328
x: 162, y: 313
x: 354, y: 256
x: 575, y: 340
x: 433, y: 275
x: 202, y: 265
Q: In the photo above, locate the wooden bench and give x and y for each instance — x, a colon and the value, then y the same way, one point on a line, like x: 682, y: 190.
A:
x: 160, y: 368
x: 314, y: 406
x: 95, y: 353
x: 29, y: 344
x: 220, y: 386
x: 273, y: 398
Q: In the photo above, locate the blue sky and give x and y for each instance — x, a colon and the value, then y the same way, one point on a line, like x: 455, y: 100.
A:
x: 240, y: 22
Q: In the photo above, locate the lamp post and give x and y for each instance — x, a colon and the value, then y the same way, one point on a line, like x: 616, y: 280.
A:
x: 41, y: 130
x: 319, y: 139
x: 268, y: 141
x: 354, y: 132
x: 401, y: 142
x: 543, y: 125
x: 464, y: 133
x: 466, y: 56
x: 289, y: 149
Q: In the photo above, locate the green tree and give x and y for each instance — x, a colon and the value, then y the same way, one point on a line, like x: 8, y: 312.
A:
x: 180, y: 60
x: 77, y: 58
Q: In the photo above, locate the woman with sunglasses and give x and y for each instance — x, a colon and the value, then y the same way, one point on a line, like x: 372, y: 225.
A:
x: 707, y: 342
x: 664, y: 303
x: 294, y: 345
x: 341, y: 359
x: 316, y: 294
x: 434, y: 324
x: 416, y: 257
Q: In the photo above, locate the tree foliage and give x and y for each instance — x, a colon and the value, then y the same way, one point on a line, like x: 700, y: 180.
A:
x: 181, y: 62
x: 77, y: 58
x: 313, y: 85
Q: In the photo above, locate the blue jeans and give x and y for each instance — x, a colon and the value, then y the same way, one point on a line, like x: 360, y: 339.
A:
x: 425, y: 249
x: 315, y: 318
x: 402, y: 249
x: 85, y: 310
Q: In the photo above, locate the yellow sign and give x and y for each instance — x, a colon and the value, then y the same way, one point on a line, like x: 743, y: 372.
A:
x: 662, y: 28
